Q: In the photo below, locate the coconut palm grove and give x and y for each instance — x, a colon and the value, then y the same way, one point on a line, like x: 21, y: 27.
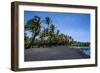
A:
x: 50, y: 36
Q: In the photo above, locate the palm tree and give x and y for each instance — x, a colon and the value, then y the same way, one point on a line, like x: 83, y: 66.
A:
x: 57, y: 32
x: 25, y: 36
x: 43, y: 35
x: 57, y: 37
x: 66, y: 39
x: 25, y: 39
x: 62, y: 38
x: 70, y: 40
x: 52, y: 28
x: 33, y: 25
x: 48, y: 21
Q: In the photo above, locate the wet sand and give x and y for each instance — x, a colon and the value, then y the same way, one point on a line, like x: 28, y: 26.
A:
x: 53, y: 53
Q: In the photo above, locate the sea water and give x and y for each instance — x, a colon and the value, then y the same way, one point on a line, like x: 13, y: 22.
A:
x: 85, y: 50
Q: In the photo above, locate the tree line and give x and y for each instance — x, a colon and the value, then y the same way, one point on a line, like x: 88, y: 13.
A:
x: 47, y: 36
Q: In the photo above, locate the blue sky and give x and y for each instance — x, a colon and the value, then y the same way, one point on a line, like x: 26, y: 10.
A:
x: 76, y: 25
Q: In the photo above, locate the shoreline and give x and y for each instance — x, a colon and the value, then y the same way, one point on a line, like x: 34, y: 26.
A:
x: 53, y: 53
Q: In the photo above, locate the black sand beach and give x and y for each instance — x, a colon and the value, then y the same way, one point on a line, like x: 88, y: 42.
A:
x: 53, y: 53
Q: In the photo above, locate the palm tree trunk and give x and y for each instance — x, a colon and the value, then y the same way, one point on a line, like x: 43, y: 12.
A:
x: 33, y: 38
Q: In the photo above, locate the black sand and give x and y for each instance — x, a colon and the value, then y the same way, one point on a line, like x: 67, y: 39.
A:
x: 52, y: 53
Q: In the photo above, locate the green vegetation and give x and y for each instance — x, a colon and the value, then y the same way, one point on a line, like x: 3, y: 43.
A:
x: 47, y: 36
